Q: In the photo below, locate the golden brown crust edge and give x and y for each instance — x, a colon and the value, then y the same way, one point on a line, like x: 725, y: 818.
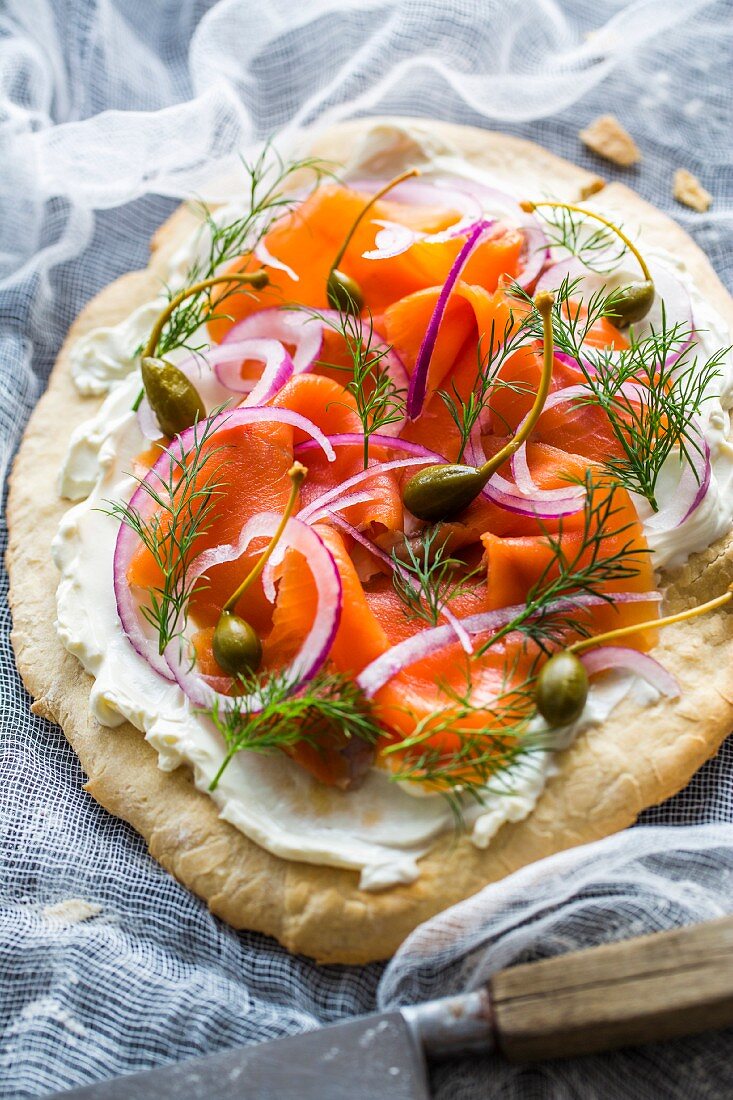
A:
x: 604, y: 780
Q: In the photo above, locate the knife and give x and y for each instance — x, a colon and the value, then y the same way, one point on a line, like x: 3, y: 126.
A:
x: 637, y: 991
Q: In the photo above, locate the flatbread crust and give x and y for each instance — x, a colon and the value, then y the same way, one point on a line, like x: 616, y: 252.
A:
x: 604, y: 780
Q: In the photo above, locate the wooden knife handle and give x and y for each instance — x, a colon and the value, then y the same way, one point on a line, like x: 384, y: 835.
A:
x: 622, y: 994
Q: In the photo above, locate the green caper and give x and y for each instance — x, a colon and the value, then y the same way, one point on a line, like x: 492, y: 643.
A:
x: 562, y: 689
x: 633, y: 303
x: 174, y: 400
x: 236, y: 645
x: 344, y: 293
x: 440, y: 492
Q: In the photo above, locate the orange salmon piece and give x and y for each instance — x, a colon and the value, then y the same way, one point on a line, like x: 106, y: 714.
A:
x: 252, y: 466
x: 515, y: 564
x: 359, y: 640
x: 333, y: 409
x: 307, y: 239
x: 569, y: 426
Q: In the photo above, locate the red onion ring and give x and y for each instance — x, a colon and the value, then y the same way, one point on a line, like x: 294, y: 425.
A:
x: 501, y: 206
x: 364, y: 475
x: 339, y: 505
x: 691, y: 489
x: 395, y: 239
x: 392, y: 240
x: 513, y: 499
x: 356, y: 439
x: 389, y: 561
x: 147, y: 422
x: 623, y: 658
x: 289, y: 326
x: 316, y: 646
x: 278, y: 369
x: 474, y: 454
x: 138, y: 632
x: 418, y: 381
x: 381, y: 670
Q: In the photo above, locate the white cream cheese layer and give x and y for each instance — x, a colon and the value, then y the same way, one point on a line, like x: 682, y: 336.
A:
x: 380, y: 830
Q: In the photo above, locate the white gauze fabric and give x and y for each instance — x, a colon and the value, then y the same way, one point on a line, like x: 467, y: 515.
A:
x: 112, y: 111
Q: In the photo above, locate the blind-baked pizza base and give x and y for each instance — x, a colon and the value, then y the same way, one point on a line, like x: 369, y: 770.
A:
x: 638, y: 757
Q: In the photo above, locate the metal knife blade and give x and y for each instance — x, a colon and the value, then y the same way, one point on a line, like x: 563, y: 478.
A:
x: 365, y: 1059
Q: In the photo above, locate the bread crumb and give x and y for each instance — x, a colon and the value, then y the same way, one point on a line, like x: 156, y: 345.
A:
x: 688, y: 190
x: 592, y: 187
x: 71, y: 911
x: 607, y: 137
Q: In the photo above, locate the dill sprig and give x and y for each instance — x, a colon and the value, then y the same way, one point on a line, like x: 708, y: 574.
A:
x: 573, y: 316
x: 273, y: 711
x: 426, y: 578
x: 599, y: 557
x: 379, y: 400
x: 656, y: 416
x: 182, y: 498
x: 469, y: 761
x: 267, y: 176
x: 594, y: 244
x: 651, y: 392
x: 467, y: 412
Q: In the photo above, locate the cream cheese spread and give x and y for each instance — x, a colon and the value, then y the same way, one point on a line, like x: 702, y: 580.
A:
x: 380, y: 830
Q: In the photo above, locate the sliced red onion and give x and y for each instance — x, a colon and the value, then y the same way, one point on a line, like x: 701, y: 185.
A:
x: 263, y: 254
x: 316, y: 646
x: 389, y: 561
x: 263, y: 414
x: 413, y: 649
x: 535, y: 252
x: 356, y: 439
x: 418, y: 381
x: 395, y: 239
x: 691, y: 489
x: 392, y: 240
x: 339, y: 505
x: 278, y: 369
x: 499, y: 205
x: 364, y: 475
x: 622, y: 658
x: 512, y: 499
x: 139, y: 633
x: 474, y: 453
x: 289, y: 326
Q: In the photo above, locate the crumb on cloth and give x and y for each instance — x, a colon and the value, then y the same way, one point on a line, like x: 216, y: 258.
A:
x: 592, y: 187
x: 607, y: 137
x: 71, y: 911
x: 688, y: 190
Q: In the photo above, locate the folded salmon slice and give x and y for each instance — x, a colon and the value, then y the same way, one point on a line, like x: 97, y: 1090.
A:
x: 333, y: 409
x: 250, y: 464
x: 307, y: 240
